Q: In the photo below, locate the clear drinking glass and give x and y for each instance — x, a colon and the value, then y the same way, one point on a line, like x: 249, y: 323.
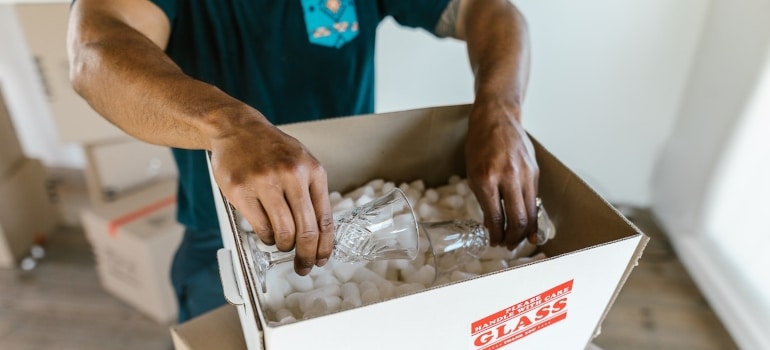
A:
x: 457, y: 242
x: 385, y: 228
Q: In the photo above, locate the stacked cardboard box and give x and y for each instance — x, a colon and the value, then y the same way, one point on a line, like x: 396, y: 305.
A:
x: 27, y: 214
x: 124, y: 177
x: 11, y: 154
x: 134, y: 239
x: 122, y: 166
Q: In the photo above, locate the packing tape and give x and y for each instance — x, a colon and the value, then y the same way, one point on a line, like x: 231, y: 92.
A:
x: 114, y: 225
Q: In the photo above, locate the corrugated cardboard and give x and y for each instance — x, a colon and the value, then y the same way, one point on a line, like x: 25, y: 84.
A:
x: 45, y: 29
x: 119, y: 167
x: 11, y: 154
x: 592, y: 255
x: 134, y: 240
x: 26, y: 211
x: 216, y: 329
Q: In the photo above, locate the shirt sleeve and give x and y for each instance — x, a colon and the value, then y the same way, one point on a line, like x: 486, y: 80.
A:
x: 414, y: 13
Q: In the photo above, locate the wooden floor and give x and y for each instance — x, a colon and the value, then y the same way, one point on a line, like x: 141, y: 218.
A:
x: 60, y: 304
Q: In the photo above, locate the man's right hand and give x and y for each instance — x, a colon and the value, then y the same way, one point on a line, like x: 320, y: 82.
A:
x: 280, y: 188
x: 118, y: 65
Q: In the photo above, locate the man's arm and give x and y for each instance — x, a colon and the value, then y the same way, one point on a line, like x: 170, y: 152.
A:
x: 118, y: 65
x: 501, y: 162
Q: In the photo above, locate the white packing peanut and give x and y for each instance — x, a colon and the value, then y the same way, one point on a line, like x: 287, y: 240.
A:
x: 302, y: 299
x: 431, y: 195
x: 358, y: 192
x: 392, y: 273
x: 493, y: 265
x: 454, y: 179
x: 283, y: 314
x: 274, y: 299
x: 429, y: 212
x: 473, y: 266
x: 446, y: 190
x: 365, y: 275
x: 364, y: 199
x: 323, y: 270
x: 379, y: 267
x: 523, y: 249
x: 325, y: 280
x: 418, y: 185
x: 370, y: 296
x: 497, y: 253
x: 413, y: 196
x: 307, y: 299
x: 300, y: 283
x: 462, y: 189
x: 442, y: 280
x: 334, y: 198
x: 387, y: 289
x: 458, y: 275
x: 424, y: 244
x: 276, y: 280
x: 473, y: 209
x: 322, y: 306
x: 407, y: 271
x: 244, y: 225
x: 376, y: 184
x: 419, y: 260
x: 388, y: 186
x: 351, y: 296
x: 452, y: 201
x: 344, y: 205
x: 345, y: 271
x: 366, y: 285
x: 399, y: 264
x: 349, y: 290
x: 425, y: 275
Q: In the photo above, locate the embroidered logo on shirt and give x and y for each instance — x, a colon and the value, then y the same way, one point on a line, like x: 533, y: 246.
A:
x: 331, y: 23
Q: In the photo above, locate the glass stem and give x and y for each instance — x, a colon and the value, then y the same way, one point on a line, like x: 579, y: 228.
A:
x: 279, y: 257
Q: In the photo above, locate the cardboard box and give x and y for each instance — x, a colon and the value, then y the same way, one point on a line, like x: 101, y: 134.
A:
x: 11, y: 154
x: 589, y: 260
x: 119, y: 167
x: 45, y: 29
x: 134, y: 240
x: 216, y: 329
x: 26, y: 211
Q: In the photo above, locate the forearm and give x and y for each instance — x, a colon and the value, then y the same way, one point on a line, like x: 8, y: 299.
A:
x: 498, y: 50
x: 130, y: 81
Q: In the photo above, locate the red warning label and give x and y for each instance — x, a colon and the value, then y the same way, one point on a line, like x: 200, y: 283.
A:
x: 521, y: 319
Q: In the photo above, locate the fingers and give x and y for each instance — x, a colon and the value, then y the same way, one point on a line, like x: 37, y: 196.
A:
x: 319, y: 195
x: 510, y: 212
x: 312, y: 216
x: 521, y: 213
x: 489, y: 200
x: 261, y: 224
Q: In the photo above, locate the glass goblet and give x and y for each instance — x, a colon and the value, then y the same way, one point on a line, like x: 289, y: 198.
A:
x: 455, y: 243
x: 382, y: 229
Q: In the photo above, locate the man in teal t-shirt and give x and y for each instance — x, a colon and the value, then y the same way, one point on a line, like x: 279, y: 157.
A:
x: 218, y: 75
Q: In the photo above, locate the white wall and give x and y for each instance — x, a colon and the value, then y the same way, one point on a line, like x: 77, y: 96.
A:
x: 607, y: 77
x: 606, y: 80
x: 26, y: 100
x: 708, y: 189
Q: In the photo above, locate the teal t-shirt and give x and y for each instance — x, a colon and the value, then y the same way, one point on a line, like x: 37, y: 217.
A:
x: 293, y: 60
